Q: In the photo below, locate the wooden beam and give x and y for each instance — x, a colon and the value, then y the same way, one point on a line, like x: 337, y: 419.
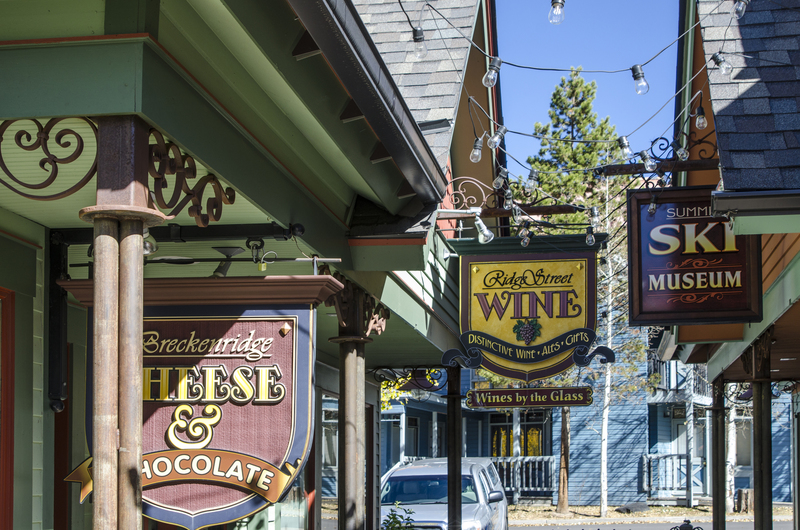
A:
x: 306, y: 47
x: 405, y: 191
x: 351, y: 113
x: 380, y: 154
x: 669, y: 166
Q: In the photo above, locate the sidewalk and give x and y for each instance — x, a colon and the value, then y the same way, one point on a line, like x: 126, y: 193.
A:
x: 631, y: 519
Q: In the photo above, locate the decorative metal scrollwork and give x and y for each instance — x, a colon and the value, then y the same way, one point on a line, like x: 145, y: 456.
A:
x: 50, y: 162
x: 418, y: 378
x: 468, y: 192
x: 166, y: 159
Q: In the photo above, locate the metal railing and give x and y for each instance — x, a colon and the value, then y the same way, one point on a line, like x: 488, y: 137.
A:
x: 668, y: 473
x: 701, y: 385
x: 526, y: 474
x: 655, y: 366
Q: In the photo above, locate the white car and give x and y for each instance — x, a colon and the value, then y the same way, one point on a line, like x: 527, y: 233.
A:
x: 422, y: 488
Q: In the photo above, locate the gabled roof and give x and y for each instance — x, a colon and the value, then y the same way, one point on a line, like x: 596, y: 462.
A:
x: 756, y: 107
x: 431, y: 87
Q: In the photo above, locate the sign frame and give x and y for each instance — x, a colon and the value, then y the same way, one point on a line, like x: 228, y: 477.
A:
x: 557, y: 354
x: 749, y: 255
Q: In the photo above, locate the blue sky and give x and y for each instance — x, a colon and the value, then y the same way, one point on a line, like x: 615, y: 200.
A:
x: 597, y: 35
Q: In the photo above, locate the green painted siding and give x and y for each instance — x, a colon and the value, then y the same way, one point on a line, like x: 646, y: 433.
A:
x: 42, y: 19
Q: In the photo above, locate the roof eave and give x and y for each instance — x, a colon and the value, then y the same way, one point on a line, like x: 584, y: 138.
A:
x: 338, y: 31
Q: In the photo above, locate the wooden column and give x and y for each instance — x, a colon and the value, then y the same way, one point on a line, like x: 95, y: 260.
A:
x: 105, y: 375
x: 454, y: 442
x: 718, y: 457
x: 762, y: 431
x: 359, y: 314
x: 123, y: 210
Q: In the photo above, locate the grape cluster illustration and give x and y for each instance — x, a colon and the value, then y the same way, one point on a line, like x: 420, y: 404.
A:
x: 527, y: 330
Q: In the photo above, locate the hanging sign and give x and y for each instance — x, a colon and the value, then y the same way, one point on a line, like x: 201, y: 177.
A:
x: 688, y: 267
x: 528, y: 317
x: 508, y: 398
x: 228, y: 401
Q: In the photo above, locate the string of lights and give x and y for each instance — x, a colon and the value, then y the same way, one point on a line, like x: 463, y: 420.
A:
x: 556, y: 13
x: 494, y: 140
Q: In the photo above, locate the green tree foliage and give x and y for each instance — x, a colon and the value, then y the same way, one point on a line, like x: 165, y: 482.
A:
x: 572, y: 120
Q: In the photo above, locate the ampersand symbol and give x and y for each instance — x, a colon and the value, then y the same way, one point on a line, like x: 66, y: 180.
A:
x: 199, y: 430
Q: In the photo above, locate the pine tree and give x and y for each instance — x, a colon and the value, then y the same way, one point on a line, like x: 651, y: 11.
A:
x: 574, y: 140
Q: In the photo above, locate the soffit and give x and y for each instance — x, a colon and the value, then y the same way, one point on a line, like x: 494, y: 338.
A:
x: 784, y: 357
x: 242, y: 54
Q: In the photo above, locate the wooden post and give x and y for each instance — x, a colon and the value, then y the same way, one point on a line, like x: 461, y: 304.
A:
x: 123, y: 210
x: 104, y: 370
x: 718, y: 457
x: 358, y: 316
x: 762, y: 432
x: 454, y: 448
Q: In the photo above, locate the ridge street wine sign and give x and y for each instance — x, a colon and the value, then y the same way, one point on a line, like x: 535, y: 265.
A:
x: 527, y: 316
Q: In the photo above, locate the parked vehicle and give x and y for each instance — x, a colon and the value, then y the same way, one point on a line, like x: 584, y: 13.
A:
x: 422, y: 488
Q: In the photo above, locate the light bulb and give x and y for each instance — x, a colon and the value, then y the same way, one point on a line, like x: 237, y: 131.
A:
x: 149, y: 243
x: 420, y: 48
x: 525, y: 230
x: 484, y: 234
x: 533, y: 181
x: 739, y: 8
x: 525, y: 241
x: 649, y: 163
x: 640, y: 83
x: 495, y: 139
x: 500, y: 179
x: 516, y: 214
x: 595, y: 216
x: 590, y: 236
x: 490, y: 78
x: 556, y: 15
x: 724, y: 66
x: 625, y: 146
x: 652, y: 208
x: 508, y: 199
x: 680, y: 151
x: 475, y: 155
x: 701, y: 122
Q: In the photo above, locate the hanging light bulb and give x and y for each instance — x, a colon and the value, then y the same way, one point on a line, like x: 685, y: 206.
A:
x: 649, y: 163
x: 516, y: 214
x: 508, y: 199
x: 525, y: 229
x: 556, y: 15
x: 680, y: 151
x: 149, y: 243
x: 525, y: 241
x: 500, y: 179
x: 652, y: 208
x: 495, y: 139
x: 490, y: 78
x: 724, y: 66
x: 420, y: 48
x: 595, y: 217
x: 701, y: 122
x: 533, y: 181
x: 640, y: 83
x: 590, y: 240
x: 484, y: 234
x: 739, y: 8
x: 625, y: 146
x: 475, y: 155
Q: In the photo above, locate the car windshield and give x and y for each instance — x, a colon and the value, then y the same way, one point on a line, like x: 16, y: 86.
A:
x: 425, y: 490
